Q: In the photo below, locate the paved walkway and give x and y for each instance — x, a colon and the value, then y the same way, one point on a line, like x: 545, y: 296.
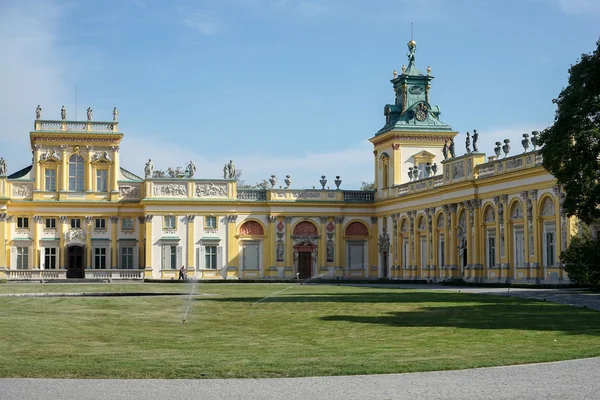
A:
x: 566, y: 380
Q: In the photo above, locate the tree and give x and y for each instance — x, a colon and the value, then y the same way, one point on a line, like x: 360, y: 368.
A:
x: 367, y: 186
x: 581, y: 260
x: 241, y: 184
x: 571, y: 149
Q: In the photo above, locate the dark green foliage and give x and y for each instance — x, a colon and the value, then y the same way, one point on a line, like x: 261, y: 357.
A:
x: 582, y: 261
x: 572, y: 145
x: 367, y: 186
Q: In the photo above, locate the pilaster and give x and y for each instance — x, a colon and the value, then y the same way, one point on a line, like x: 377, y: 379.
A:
x: 534, y: 230
x: 3, y: 240
x: 477, y: 259
x: 190, y: 266
x: 373, y: 246
x: 397, y: 164
x: 64, y: 172
x: 62, y: 229
x: 446, y: 273
x: 88, y: 242
x: 115, y: 169
x: 453, y: 241
x: 339, y: 244
x: 36, y: 241
x: 232, y: 243
x: 289, y: 243
x: 148, y: 245
x: 142, y: 243
x: 270, y: 248
x: 411, y: 244
x: 322, y: 252
x: 114, y: 222
x: 37, y: 168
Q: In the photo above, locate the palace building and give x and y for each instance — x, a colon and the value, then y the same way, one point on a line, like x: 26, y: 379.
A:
x: 434, y: 215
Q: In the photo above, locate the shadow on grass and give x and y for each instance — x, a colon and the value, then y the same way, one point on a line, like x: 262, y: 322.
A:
x: 533, y: 316
x: 369, y: 297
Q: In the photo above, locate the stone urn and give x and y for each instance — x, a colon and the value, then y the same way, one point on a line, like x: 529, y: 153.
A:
x: 273, y: 181
x: 323, y: 182
x: 288, y: 181
x: 497, y: 149
x: 434, y: 168
x: 410, y: 173
x: 525, y: 142
x: 535, y: 139
x: 427, y: 169
x: 337, y: 182
x: 506, y: 147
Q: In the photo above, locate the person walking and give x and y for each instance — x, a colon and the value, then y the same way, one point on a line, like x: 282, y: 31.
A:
x: 182, y: 274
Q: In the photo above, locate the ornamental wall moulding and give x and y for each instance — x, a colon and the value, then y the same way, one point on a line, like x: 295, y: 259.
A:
x: 280, y: 226
x: 114, y: 220
x: 148, y: 218
x: 338, y: 220
x: 232, y: 218
x: 533, y: 194
x: 190, y: 218
x: 357, y: 229
x: 408, y: 137
x: 305, y: 228
x: 211, y: 190
x: 548, y: 209
x: 63, y: 218
x: 88, y: 219
x: 440, y: 221
x: 458, y: 170
x: 128, y: 191
x: 69, y: 139
x: 3, y: 217
x: 21, y: 190
x: 517, y: 211
x: 272, y: 218
x: 75, y: 235
x: 251, y: 228
x: 323, y: 220
x: 171, y: 190
x: 490, y: 216
x: 306, y: 195
x: 101, y: 157
x: 50, y: 155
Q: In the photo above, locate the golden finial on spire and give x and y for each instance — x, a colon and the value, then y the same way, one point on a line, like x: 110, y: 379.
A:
x: 394, y: 74
x: 403, y: 68
x: 428, y: 70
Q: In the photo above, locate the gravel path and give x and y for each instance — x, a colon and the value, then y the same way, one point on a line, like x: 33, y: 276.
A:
x: 565, y: 380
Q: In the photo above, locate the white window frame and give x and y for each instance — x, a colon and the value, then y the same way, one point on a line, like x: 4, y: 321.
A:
x: 519, y: 248
x: 50, y: 257
x: 102, y: 223
x: 98, y: 254
x: 50, y: 223
x: 102, y: 180
x: 127, y: 260
x: 170, y: 222
x: 549, y: 229
x: 76, y: 173
x: 22, y: 222
x: 50, y: 179
x: 22, y: 257
x: 126, y: 222
x: 490, y: 251
x: 209, y: 222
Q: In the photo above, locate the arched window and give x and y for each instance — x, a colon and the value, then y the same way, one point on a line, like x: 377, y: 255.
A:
x: 76, y: 173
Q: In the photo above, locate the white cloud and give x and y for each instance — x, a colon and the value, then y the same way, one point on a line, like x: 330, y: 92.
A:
x: 203, y: 24
x: 32, y: 72
x: 580, y: 7
x: 354, y: 164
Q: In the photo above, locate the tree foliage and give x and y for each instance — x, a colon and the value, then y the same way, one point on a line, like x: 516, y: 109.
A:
x: 367, y: 186
x: 581, y: 260
x: 241, y: 184
x: 571, y: 149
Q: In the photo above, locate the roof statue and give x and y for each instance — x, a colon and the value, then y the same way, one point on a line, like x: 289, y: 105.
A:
x: 38, y: 112
x: 191, y: 169
x: 115, y: 114
x: 90, y: 113
x: 63, y: 113
x: 148, y: 168
x: 475, y: 137
x: 468, y: 142
x: 3, y: 167
x: 412, y: 67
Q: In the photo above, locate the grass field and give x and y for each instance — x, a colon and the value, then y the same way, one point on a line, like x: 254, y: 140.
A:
x: 306, y: 330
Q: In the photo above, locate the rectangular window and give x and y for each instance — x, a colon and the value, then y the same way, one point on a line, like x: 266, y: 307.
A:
x: 75, y: 223
x: 127, y: 257
x: 22, y: 257
x: 50, y: 258
x: 550, y: 249
x: 423, y: 252
x: 405, y: 252
x: 50, y: 223
x: 127, y: 224
x: 102, y: 180
x: 100, y: 224
x: 23, y: 222
x: 100, y: 257
x: 50, y: 175
x: 519, y: 249
x: 173, y: 256
x: 491, y: 251
x: 210, y: 257
x: 169, y: 222
x: 211, y: 222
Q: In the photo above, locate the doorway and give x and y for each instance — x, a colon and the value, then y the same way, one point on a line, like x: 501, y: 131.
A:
x: 384, y: 264
x: 75, y: 262
x: 305, y: 265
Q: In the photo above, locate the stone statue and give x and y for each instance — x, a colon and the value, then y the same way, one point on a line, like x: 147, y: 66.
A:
x: 3, y: 166
x: 38, y: 112
x: 63, y: 113
x: 451, y: 148
x: 90, y: 113
x: 280, y: 252
x: 225, y: 172
x: 445, y: 149
x: 115, y: 114
x: 475, y: 137
x: 468, y: 142
x: 148, y: 169
x: 191, y: 168
x: 231, y: 169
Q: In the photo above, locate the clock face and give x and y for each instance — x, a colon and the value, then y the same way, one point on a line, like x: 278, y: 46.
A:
x: 421, y: 112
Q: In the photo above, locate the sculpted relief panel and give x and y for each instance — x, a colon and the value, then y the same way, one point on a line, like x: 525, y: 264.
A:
x: 305, y: 228
x: 251, y: 228
x: 171, y: 189
x: 357, y: 229
x: 21, y: 190
x: 211, y: 190
x: 129, y: 191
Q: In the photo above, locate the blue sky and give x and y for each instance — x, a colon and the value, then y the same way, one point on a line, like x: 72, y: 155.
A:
x: 281, y: 86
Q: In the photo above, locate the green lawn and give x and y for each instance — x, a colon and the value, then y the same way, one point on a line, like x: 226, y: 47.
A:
x: 306, y: 330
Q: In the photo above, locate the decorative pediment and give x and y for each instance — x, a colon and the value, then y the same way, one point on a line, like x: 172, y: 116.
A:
x: 423, y: 155
x: 548, y: 208
x: 305, y: 228
x: 357, y: 229
x: 251, y: 228
x: 490, y: 216
x: 517, y: 211
x: 50, y: 156
x: 101, y: 157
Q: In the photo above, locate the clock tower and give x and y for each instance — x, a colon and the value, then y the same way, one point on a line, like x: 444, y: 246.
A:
x: 413, y: 134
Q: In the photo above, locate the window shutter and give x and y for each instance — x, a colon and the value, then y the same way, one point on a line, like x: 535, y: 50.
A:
x: 13, y: 257
x: 202, y: 257
x: 42, y: 258
x: 57, y: 257
x: 109, y: 260
x: 136, y: 255
x: 197, y: 257
x: 163, y: 255
x: 179, y: 251
x: 219, y: 257
x: 29, y: 257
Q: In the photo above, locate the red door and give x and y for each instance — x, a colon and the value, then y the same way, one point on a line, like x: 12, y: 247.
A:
x: 305, y: 265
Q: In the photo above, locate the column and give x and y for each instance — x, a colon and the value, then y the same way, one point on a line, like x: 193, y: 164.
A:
x: 561, y: 227
x: 468, y: 235
x: 453, y: 252
x: 526, y: 216
x: 232, y: 243
x: 114, y: 223
x: 190, y: 265
x: 322, y: 252
x: 62, y: 229
x: 376, y: 170
x: 533, y: 215
x: 446, y: 209
x: 396, y: 159
x: 411, y: 243
x: 3, y: 240
x: 89, y: 185
x: 339, y: 244
x: 270, y: 257
x: 36, y: 241
x: 289, y: 243
x: 504, y: 237
x: 88, y: 242
x: 64, y: 171
x: 141, y: 248
x: 429, y: 243
x: 477, y: 259
x: 373, y: 248
x: 37, y: 168
x: 148, y: 245
x: 115, y: 170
